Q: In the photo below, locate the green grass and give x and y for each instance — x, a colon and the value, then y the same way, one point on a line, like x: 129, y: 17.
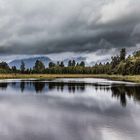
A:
x: 134, y: 78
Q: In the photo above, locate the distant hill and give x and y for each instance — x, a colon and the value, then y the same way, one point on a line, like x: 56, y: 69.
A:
x: 29, y: 62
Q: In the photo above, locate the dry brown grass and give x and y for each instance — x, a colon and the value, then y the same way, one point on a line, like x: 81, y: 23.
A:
x: 135, y: 78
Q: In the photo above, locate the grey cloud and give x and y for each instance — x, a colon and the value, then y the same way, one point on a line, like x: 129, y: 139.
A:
x: 49, y: 26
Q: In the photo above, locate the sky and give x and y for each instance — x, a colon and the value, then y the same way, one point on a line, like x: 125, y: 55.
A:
x: 93, y: 28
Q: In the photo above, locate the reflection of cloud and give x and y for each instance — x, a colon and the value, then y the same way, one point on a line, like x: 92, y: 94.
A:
x: 46, y: 117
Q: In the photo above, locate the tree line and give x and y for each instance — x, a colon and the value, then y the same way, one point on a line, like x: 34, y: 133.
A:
x: 119, y: 64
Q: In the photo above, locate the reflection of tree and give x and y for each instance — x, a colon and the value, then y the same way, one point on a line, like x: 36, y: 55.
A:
x: 22, y: 86
x: 13, y: 84
x: 123, y: 99
x: 3, y: 85
x: 122, y: 91
x: 39, y: 86
x: 71, y: 87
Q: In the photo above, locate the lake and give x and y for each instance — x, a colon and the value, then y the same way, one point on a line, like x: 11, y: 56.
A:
x: 69, y: 109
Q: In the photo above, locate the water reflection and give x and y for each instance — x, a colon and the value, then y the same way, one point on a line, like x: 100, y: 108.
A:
x: 3, y: 85
x: 121, y: 92
x: 22, y: 86
x: 39, y: 86
x: 71, y: 87
x: 98, y: 117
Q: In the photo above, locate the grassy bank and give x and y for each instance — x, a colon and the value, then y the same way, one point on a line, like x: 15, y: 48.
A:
x: 135, y: 78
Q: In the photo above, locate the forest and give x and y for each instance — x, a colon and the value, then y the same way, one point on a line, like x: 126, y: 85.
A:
x: 120, y: 64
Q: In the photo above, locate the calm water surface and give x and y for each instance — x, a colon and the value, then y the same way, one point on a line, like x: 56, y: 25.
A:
x: 69, y: 109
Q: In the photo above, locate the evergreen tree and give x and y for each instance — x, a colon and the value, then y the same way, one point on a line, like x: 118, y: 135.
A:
x: 82, y: 64
x: 69, y: 63
x: 115, y: 61
x: 14, y: 69
x: 58, y: 63
x: 4, y: 65
x: 77, y: 64
x: 62, y: 64
x: 51, y: 65
x: 73, y: 63
x: 122, y: 54
x: 22, y: 67
x: 39, y: 66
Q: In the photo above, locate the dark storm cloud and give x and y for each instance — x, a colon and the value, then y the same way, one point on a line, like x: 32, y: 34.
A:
x: 49, y: 26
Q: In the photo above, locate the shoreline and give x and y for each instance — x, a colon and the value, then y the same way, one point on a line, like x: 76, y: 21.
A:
x: 127, y: 78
